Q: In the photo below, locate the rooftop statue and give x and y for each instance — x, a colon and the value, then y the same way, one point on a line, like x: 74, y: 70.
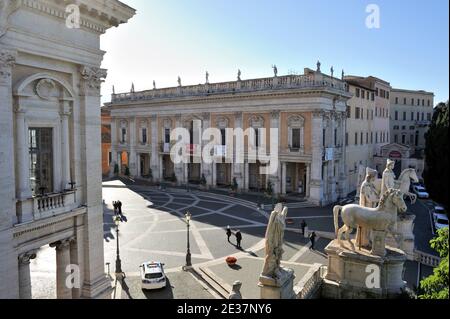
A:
x: 239, y: 75
x: 275, y: 70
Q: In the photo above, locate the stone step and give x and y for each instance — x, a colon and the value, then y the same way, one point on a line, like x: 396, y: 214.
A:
x: 208, y: 278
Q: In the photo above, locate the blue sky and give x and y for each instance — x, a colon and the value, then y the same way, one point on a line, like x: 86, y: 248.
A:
x: 186, y: 38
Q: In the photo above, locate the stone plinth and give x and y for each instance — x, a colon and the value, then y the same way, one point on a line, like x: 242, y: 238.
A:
x: 405, y: 226
x: 353, y: 274
x: 280, y: 288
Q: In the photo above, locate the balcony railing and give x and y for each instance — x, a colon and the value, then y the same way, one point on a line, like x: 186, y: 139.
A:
x: 48, y: 205
x: 311, y: 283
x: 313, y: 81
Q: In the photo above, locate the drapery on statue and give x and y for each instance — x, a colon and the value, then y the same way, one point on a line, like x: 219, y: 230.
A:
x: 236, y: 291
x: 380, y: 219
x: 369, y: 197
x: 361, y: 177
x: 388, y: 180
x: 274, y: 242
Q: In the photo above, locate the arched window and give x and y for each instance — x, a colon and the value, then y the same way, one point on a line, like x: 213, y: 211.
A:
x: 257, y: 123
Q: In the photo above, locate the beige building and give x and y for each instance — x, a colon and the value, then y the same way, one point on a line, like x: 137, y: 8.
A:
x: 367, y: 124
x: 308, y: 110
x: 411, y: 116
x: 50, y: 185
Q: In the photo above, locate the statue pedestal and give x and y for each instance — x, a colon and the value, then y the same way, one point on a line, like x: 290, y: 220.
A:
x: 405, y: 226
x: 281, y: 288
x: 361, y: 275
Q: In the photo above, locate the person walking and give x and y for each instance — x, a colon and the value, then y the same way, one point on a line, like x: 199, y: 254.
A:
x: 238, y: 239
x: 119, y: 204
x: 229, y: 233
x: 115, y: 207
x: 303, y: 227
x: 312, y: 238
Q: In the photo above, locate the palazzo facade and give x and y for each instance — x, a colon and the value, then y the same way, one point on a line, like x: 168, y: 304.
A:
x: 50, y: 185
x: 309, y: 111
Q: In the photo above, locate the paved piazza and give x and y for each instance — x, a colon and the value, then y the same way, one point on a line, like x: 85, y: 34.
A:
x: 153, y: 229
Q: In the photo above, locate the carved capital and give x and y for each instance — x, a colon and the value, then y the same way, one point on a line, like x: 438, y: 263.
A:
x: 318, y: 114
x: 92, y: 79
x: 24, y: 259
x: 62, y: 244
x: 7, y: 61
x: 275, y: 115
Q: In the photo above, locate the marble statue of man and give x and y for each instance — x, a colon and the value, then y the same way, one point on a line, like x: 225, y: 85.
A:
x: 368, y: 197
x: 274, y: 242
x: 388, y: 180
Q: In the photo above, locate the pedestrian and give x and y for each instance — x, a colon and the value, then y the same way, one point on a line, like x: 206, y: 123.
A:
x: 303, y: 226
x: 115, y: 207
x: 238, y: 239
x: 119, y: 204
x: 229, y: 233
x: 312, y: 238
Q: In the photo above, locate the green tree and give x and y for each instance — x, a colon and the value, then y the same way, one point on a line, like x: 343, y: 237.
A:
x: 436, y: 169
x: 436, y: 286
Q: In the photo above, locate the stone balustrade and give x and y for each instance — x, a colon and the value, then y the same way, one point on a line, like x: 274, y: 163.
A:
x: 313, y: 81
x: 309, y: 286
x: 427, y: 259
x: 40, y: 207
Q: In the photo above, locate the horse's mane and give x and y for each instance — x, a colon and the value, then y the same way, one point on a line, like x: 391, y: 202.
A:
x: 403, y: 173
x: 385, y: 196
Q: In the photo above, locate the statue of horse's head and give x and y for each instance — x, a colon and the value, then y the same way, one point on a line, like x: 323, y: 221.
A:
x: 394, y: 196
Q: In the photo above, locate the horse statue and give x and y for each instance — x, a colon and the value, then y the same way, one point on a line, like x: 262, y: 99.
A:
x: 403, y: 183
x: 381, y: 219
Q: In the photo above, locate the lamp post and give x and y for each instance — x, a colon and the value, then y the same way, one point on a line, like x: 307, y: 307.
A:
x: 119, y: 271
x: 188, y: 254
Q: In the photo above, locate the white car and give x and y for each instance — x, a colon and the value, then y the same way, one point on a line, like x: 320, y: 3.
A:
x: 152, y: 276
x: 421, y: 192
x: 440, y: 218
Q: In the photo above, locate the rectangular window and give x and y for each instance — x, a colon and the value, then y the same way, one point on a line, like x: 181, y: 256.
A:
x: 418, y: 116
x: 367, y: 138
x: 412, y: 116
x: 396, y: 115
x: 357, y: 113
x: 362, y: 138
x: 429, y: 103
x: 144, y: 136
x: 404, y: 101
x: 223, y: 136
x: 404, y: 116
x: 167, y: 135
x: 363, y: 94
x: 295, y: 138
x: 335, y: 137
x: 396, y: 138
x: 109, y: 158
x: 356, y: 138
x: 124, y: 135
x: 41, y: 160
x: 357, y: 92
x: 423, y: 117
x: 396, y: 100
x: 346, y: 139
x: 403, y: 139
x: 376, y: 138
x: 371, y: 137
x: 349, y: 111
x: 428, y: 116
x: 257, y: 138
x: 412, y: 102
x: 373, y: 96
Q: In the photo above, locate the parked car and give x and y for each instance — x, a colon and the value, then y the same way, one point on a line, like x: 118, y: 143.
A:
x: 153, y: 276
x: 421, y: 192
x: 440, y: 218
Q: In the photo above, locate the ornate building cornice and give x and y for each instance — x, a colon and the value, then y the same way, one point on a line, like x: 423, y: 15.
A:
x: 7, y: 7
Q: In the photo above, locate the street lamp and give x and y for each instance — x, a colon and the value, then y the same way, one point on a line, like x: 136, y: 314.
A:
x: 118, y: 261
x: 188, y: 255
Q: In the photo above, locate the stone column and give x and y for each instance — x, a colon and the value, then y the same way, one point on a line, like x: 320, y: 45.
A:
x: 247, y: 175
x: 23, y: 186
x: 114, y: 143
x: 9, y: 270
x: 24, y: 275
x: 95, y: 282
x: 180, y: 168
x: 275, y: 178
x: 308, y: 180
x: 316, y: 182
x: 65, y: 145
x: 132, y: 159
x: 154, y: 159
x: 62, y: 261
x: 206, y: 169
x: 283, y: 177
x: 239, y: 168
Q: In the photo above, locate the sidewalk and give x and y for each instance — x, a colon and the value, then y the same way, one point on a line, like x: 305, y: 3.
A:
x: 180, y: 285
